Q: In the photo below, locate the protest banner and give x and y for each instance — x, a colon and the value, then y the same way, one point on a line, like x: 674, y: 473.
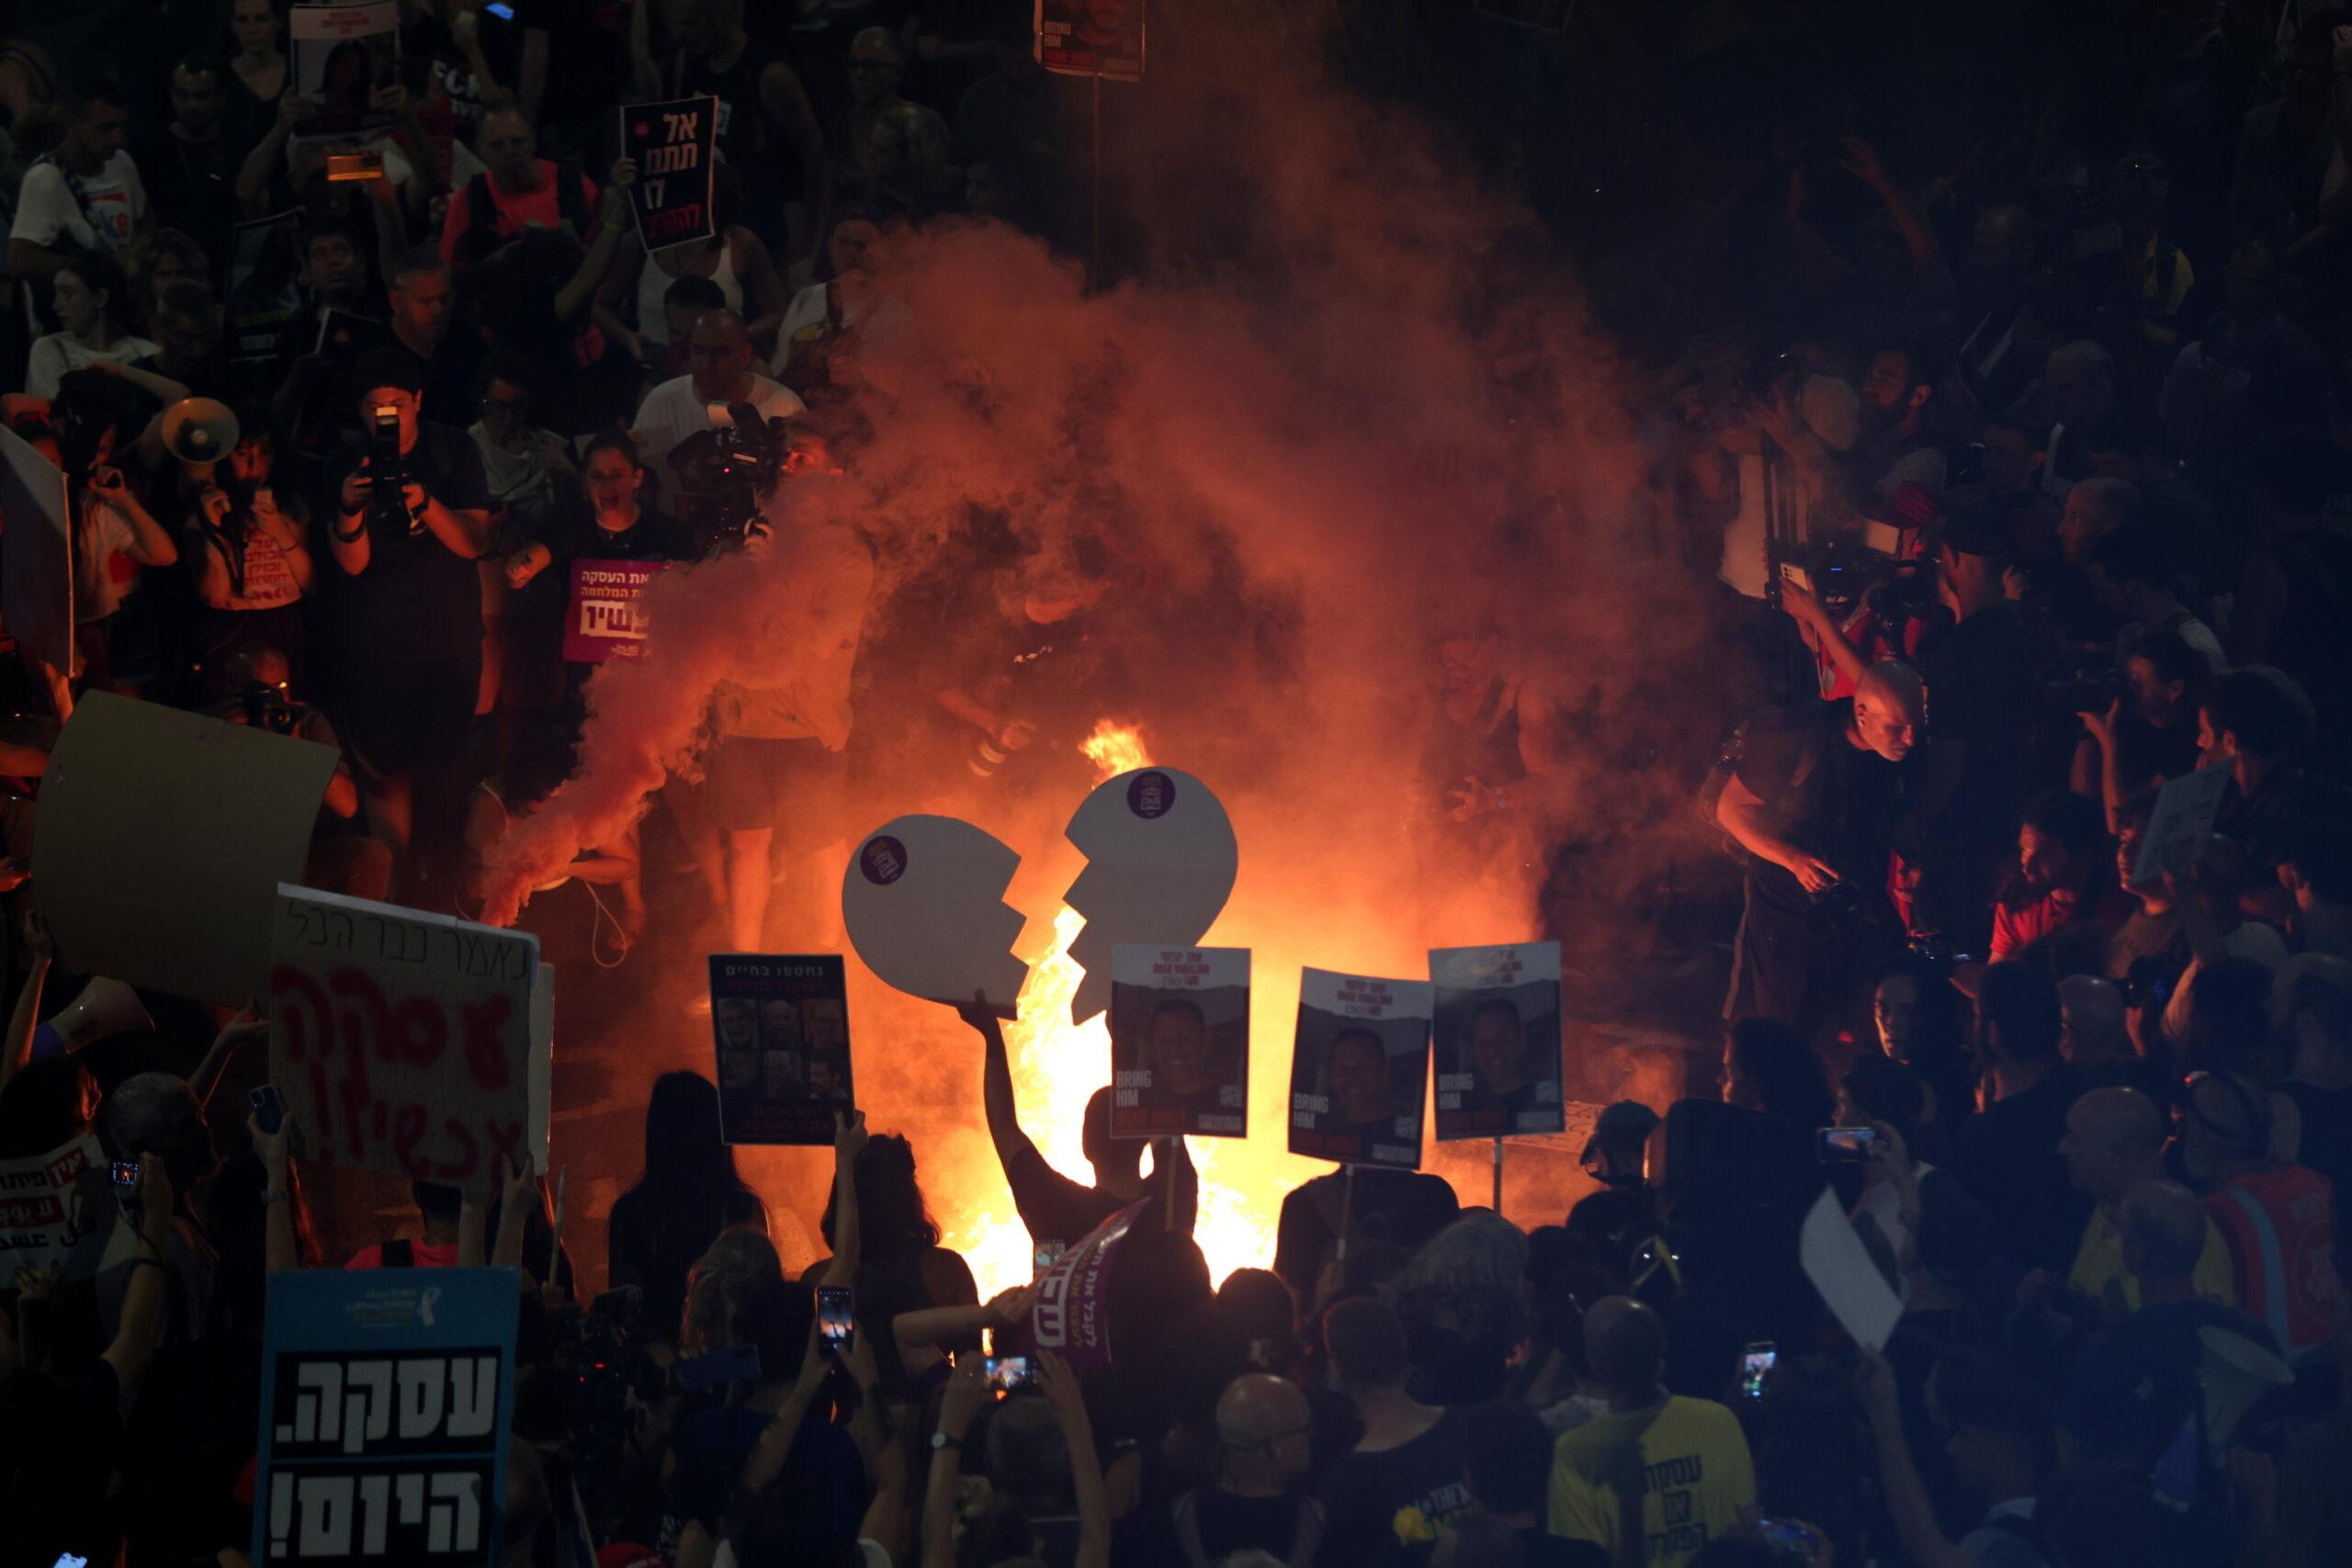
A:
x: 265, y: 285
x: 1180, y: 1042
x: 37, y: 569
x: 407, y: 1041
x: 1497, y: 1040
x: 780, y: 1022
x: 2184, y: 812
x: 1839, y: 1267
x: 924, y: 901
x: 1091, y: 37
x: 343, y: 53
x: 387, y: 1395
x: 1360, y: 1063
x: 1161, y: 860
x: 1071, y: 1314
x: 602, y: 619
x: 162, y: 838
x: 674, y: 145
x: 57, y: 1210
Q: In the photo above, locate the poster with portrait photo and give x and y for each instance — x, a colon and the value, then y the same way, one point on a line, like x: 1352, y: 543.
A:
x: 1358, y: 1068
x: 1496, y: 1039
x: 1091, y: 37
x: 341, y: 55
x: 1180, y: 1041
x: 780, y: 1022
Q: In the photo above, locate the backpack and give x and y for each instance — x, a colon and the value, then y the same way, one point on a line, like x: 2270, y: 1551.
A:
x: 480, y: 236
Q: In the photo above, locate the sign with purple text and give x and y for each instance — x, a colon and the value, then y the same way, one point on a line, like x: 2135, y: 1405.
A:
x: 1497, y: 1040
x: 1071, y: 1315
x: 1358, y: 1068
x: 602, y: 619
x: 1180, y: 1042
x: 1091, y: 37
x: 781, y: 1022
x: 672, y: 146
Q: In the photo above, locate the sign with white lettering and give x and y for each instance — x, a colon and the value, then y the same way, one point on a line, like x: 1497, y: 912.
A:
x: 385, y: 1397
x: 1497, y: 1040
x: 602, y: 619
x: 1091, y: 37
x: 1358, y: 1069
x: 782, y: 1025
x: 57, y: 1210
x: 1180, y: 1042
x: 1071, y: 1315
x: 673, y: 144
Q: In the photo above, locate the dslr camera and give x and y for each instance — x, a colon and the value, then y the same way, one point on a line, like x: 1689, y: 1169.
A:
x: 267, y: 707
x: 388, y: 472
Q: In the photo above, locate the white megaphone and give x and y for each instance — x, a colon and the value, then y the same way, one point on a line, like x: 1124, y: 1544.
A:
x: 199, y: 430
x: 105, y: 1006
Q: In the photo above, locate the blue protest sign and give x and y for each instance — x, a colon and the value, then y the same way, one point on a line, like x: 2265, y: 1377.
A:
x: 386, y: 1395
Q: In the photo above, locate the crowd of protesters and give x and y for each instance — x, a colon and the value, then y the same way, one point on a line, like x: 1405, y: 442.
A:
x: 2039, y: 502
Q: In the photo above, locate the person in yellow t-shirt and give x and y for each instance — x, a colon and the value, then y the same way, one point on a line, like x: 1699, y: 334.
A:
x: 1684, y: 1460
x: 2115, y: 1141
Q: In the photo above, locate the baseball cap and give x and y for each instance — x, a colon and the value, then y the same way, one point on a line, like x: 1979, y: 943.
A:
x: 1623, y: 1127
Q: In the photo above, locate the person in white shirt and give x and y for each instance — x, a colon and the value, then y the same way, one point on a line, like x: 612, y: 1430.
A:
x: 719, y: 370
x: 84, y: 193
x: 85, y: 291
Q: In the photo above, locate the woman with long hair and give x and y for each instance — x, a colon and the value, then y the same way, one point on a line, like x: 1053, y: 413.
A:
x: 249, y: 551
x: 689, y: 1193
x: 902, y: 1265
x: 257, y: 74
x: 89, y: 298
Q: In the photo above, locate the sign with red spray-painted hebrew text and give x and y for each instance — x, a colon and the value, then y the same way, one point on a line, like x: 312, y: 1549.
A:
x: 57, y: 1211
x: 672, y: 146
x: 409, y: 1042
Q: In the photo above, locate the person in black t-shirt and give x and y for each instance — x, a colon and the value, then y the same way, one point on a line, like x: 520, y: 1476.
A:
x: 768, y: 132
x: 407, y: 605
x: 1264, y: 1433
x: 1401, y: 1208
x: 2007, y: 1156
x: 1055, y: 1209
x: 1813, y: 798
x: 1390, y: 1493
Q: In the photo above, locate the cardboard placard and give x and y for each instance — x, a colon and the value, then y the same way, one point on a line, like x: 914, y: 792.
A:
x: 162, y: 838
x: 265, y: 285
x: 1358, y: 1068
x: 386, y: 1398
x: 1071, y: 1314
x: 924, y: 901
x: 1091, y: 37
x: 1161, y: 860
x: 674, y: 144
x: 342, y: 55
x: 57, y: 1210
x: 1840, y: 1268
x: 37, y: 569
x: 780, y: 1023
x: 1180, y: 1042
x: 600, y: 618
x: 409, y: 1042
x: 1497, y: 1040
x: 2185, y: 811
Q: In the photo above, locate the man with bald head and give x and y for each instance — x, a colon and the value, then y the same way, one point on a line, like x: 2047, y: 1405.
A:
x: 1693, y: 1462
x: 1812, y: 796
x: 2115, y: 1145
x: 1264, y: 1446
x: 718, y: 367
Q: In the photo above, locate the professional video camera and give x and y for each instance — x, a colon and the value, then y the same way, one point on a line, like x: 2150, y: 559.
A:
x: 1844, y: 576
x: 730, y: 469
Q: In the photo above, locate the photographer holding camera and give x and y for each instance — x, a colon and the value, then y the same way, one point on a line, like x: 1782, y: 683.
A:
x: 408, y: 514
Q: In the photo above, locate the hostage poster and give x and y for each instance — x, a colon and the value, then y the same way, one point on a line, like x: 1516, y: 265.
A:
x: 1497, y: 1040
x: 1358, y: 1069
x: 673, y: 144
x: 1091, y: 37
x: 1180, y: 1041
x: 781, y: 1026
x: 343, y: 54
x: 265, y: 285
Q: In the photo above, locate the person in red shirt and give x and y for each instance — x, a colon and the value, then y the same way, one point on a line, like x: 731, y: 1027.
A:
x: 520, y: 191
x: 437, y: 1250
x: 2062, y: 845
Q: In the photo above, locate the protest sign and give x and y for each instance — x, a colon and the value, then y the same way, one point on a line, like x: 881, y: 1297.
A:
x: 1840, y: 1268
x: 1180, y: 1042
x: 1091, y: 37
x: 2185, y: 811
x: 162, y: 838
x: 37, y: 569
x: 781, y: 1026
x: 57, y: 1210
x: 1497, y: 1040
x: 1160, y: 859
x: 922, y: 898
x: 386, y: 1398
x: 1071, y: 1314
x: 341, y: 55
x: 602, y: 619
x: 673, y: 144
x: 1358, y: 1068
x: 406, y: 1041
x: 265, y: 285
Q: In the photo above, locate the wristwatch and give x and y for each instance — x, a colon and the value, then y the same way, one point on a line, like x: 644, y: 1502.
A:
x: 941, y: 1440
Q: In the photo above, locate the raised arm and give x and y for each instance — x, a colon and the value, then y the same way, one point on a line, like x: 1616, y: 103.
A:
x: 966, y: 1395
x: 142, y: 1301
x: 278, y: 1251
x: 580, y: 292
x: 1060, y: 1387
x: 245, y: 1025
x: 24, y: 1020
x: 996, y: 1082
x: 849, y: 1139
x: 1906, y: 1496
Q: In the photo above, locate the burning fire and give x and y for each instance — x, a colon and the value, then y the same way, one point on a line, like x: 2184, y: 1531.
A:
x: 1057, y: 1066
